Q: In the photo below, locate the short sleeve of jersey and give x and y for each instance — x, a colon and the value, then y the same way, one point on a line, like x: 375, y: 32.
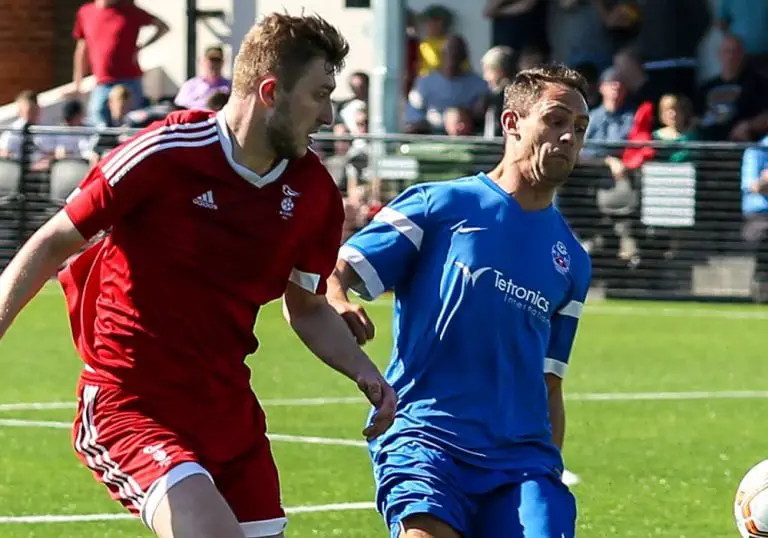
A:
x: 77, y: 30
x: 566, y: 321
x: 382, y: 252
x: 110, y: 190
x: 317, y: 263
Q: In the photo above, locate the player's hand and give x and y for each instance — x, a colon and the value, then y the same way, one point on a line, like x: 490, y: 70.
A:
x: 618, y: 170
x: 383, y: 397
x: 356, y: 318
x: 741, y: 132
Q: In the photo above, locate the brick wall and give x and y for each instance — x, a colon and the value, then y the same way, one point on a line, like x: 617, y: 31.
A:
x: 36, y: 50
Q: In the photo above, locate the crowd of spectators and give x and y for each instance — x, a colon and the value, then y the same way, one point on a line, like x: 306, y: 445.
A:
x: 638, y: 55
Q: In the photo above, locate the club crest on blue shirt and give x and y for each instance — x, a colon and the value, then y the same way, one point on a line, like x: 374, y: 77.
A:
x: 561, y: 258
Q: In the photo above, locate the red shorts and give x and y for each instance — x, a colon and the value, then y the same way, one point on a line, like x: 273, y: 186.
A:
x: 139, y: 460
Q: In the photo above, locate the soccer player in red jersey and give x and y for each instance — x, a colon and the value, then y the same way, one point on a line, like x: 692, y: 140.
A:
x: 194, y: 224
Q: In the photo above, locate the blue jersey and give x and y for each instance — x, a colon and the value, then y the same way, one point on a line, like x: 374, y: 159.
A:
x: 487, y: 299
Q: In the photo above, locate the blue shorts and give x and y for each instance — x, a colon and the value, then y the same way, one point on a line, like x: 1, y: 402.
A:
x: 478, y: 503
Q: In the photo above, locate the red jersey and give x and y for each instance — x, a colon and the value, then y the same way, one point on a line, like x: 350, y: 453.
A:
x: 165, y: 305
x: 110, y: 34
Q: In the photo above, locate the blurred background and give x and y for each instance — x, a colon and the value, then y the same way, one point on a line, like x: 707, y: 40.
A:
x: 669, y: 196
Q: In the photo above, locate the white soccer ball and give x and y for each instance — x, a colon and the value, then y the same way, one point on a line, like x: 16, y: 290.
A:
x: 751, y: 505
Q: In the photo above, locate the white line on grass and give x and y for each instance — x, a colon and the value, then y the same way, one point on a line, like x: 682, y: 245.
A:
x: 36, y: 406
x: 279, y: 437
x: 18, y: 423
x: 316, y: 440
x: 654, y: 396
x: 289, y: 402
x: 695, y: 312
x: 81, y: 518
x: 569, y: 478
x: 278, y: 402
x: 576, y: 396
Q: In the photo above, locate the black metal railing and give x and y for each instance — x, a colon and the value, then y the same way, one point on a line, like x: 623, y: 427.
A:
x: 669, y: 228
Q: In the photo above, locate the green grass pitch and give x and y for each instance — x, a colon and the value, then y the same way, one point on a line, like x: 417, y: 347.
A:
x: 661, y: 426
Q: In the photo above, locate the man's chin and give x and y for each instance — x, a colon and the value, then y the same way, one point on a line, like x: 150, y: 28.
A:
x: 557, y: 175
x: 301, y: 151
x: 294, y: 153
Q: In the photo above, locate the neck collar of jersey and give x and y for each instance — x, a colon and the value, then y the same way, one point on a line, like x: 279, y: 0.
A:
x: 243, y: 171
x: 512, y: 202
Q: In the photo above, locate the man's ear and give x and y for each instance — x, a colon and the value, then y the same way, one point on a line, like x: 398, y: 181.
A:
x: 266, y: 91
x: 510, y: 123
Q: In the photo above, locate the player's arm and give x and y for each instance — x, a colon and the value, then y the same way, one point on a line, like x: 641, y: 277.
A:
x: 80, y: 58
x: 343, y: 279
x: 324, y: 332
x: 753, y: 166
x: 556, y: 408
x: 563, y: 333
x: 35, y: 263
x: 378, y: 258
x: 79, y: 64
x: 161, y: 28
x: 319, y: 326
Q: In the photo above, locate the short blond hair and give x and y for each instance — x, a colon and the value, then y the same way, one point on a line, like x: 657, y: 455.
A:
x: 284, y: 45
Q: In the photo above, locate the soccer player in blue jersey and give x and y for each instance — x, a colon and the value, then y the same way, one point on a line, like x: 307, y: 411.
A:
x: 489, y: 283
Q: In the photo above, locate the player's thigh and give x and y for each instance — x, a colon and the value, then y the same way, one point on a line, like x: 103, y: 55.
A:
x: 418, y: 490
x: 541, y: 507
x: 125, y: 449
x: 426, y: 526
x: 194, y: 508
x: 251, y: 486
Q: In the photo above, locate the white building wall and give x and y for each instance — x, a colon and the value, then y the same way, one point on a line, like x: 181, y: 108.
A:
x: 171, y: 51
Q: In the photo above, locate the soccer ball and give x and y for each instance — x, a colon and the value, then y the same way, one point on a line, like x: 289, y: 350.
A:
x: 751, y: 506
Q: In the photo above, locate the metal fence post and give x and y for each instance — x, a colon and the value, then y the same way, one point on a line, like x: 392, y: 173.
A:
x: 25, y: 160
x: 386, y: 76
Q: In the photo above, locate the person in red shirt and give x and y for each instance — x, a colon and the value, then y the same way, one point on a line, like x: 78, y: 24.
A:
x: 192, y: 225
x: 106, y: 32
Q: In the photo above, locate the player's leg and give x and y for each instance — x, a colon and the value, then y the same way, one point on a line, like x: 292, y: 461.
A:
x: 547, y: 509
x: 418, y: 493
x: 251, y: 487
x: 426, y: 526
x: 540, y: 507
x: 147, y: 468
x: 191, y: 508
x: 98, y: 111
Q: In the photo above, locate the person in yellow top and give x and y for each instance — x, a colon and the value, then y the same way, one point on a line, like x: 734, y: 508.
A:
x: 436, y: 21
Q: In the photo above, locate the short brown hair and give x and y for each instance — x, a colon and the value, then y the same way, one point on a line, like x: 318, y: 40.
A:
x: 283, y: 44
x: 217, y: 100
x: 528, y: 85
